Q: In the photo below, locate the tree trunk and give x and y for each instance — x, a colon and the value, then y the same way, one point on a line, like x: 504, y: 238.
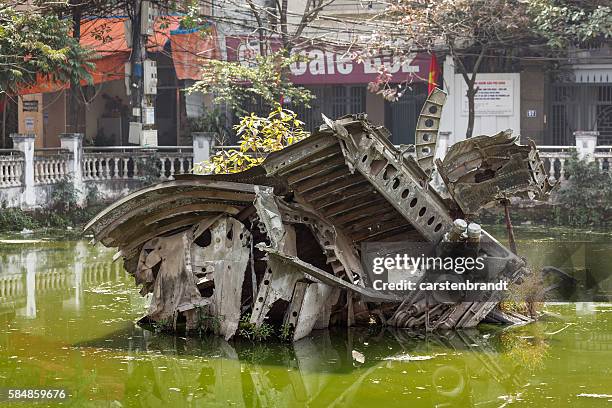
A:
x: 471, y: 94
x: 73, y: 103
x: 472, y: 90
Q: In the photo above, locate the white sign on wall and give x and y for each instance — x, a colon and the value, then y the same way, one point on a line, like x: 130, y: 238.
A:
x: 29, y: 124
x: 494, y: 97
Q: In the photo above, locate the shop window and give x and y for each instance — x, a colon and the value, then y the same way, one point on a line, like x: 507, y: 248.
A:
x: 579, y: 106
x: 401, y: 116
x: 332, y: 101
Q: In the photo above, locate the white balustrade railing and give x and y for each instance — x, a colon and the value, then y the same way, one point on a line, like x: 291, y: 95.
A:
x: 171, y: 164
x: 29, y: 168
x: 603, y: 157
x: 108, y: 166
x: 50, y: 168
x: 11, y: 168
x: 27, y: 171
x: 114, y: 163
x: 555, y: 159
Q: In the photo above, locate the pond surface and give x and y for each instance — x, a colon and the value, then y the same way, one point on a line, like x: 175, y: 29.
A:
x: 67, y: 317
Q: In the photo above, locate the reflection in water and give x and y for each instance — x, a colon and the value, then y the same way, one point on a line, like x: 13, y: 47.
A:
x: 461, y: 368
x: 27, y: 272
x: 68, y: 312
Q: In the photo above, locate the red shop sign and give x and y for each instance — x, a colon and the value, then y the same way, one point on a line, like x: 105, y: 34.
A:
x: 330, y: 67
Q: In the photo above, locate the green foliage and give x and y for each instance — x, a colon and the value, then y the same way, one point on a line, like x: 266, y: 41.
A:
x: 14, y: 219
x: 286, y: 332
x: 249, y: 331
x: 57, y: 220
x: 258, y: 137
x: 33, y: 44
x: 93, y: 195
x: 65, y: 196
x: 237, y: 85
x: 212, y: 120
x: 206, y: 321
x: 587, y: 197
x: 568, y: 22
x: 148, y: 169
x: 192, y: 18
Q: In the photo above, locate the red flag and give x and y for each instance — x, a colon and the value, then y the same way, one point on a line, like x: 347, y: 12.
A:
x: 434, y: 72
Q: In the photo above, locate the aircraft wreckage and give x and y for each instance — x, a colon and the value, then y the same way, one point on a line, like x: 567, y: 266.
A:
x: 280, y: 243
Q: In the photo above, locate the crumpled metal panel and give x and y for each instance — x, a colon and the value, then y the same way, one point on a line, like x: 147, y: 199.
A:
x: 166, y: 207
x: 343, y: 185
x: 485, y: 169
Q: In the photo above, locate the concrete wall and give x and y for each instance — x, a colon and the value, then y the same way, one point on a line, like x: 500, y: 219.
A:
x: 109, y: 190
x: 455, y: 117
x: 112, y: 190
x: 10, y: 197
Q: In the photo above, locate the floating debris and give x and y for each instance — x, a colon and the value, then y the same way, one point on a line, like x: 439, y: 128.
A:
x: 358, y: 357
x: 408, y: 357
x: 595, y: 395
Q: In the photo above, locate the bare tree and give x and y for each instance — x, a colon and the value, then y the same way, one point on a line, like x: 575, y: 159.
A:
x: 471, y: 31
x: 276, y: 21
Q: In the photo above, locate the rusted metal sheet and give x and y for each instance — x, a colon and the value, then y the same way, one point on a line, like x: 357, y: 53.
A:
x: 315, y: 274
x: 226, y: 257
x: 486, y: 169
x: 280, y: 242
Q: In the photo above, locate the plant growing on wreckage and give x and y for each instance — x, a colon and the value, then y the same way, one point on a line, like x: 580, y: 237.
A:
x: 161, y: 325
x: 528, y: 295
x: 286, y: 332
x: 206, y: 322
x: 250, y: 331
x: 258, y: 137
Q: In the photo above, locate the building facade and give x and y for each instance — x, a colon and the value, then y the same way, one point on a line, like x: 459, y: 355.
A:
x: 546, y: 105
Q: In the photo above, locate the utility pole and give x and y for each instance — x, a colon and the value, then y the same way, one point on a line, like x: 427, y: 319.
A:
x: 143, y: 76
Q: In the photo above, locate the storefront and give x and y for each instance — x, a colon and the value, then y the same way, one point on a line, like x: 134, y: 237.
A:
x: 583, y: 104
x: 103, y: 108
x: 339, y: 85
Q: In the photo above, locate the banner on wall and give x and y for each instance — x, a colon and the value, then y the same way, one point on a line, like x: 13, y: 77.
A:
x: 329, y: 67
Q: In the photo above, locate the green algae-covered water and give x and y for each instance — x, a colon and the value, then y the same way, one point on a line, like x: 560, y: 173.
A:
x: 67, y: 318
